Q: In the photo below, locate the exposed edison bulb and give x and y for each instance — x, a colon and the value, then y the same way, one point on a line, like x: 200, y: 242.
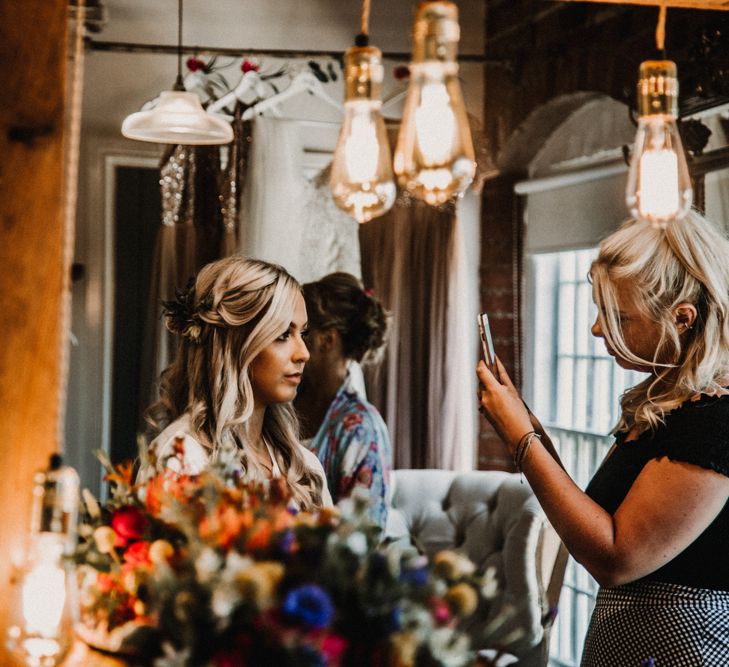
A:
x: 659, y: 186
x: 434, y: 158
x: 361, y: 180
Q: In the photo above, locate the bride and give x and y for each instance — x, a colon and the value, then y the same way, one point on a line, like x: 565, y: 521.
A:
x: 242, y: 326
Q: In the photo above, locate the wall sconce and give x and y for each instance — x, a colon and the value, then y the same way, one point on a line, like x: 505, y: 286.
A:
x: 42, y: 615
x: 434, y: 158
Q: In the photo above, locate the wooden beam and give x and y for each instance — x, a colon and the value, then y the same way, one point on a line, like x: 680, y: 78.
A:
x: 716, y: 5
x: 32, y: 50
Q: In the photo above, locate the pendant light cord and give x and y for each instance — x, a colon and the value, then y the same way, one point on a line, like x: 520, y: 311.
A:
x: 363, y: 39
x: 661, y: 30
x: 179, y: 84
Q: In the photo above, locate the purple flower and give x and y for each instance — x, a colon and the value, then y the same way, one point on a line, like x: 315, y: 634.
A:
x: 309, y: 605
x: 648, y: 662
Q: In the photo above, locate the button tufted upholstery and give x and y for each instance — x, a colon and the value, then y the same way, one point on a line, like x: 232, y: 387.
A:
x: 496, y: 521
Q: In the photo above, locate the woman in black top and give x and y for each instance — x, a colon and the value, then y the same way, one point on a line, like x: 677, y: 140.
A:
x: 653, y: 525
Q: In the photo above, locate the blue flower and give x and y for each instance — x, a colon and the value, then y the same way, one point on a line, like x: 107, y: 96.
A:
x: 415, y: 574
x: 286, y: 543
x: 648, y: 662
x: 309, y: 605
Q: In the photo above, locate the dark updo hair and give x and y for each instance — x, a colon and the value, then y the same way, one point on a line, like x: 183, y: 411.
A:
x: 339, y: 301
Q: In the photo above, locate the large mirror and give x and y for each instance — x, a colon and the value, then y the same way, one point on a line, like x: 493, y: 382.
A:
x: 130, y: 58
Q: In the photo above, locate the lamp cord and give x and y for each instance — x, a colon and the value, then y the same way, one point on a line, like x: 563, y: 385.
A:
x: 179, y: 84
x: 365, y: 21
x: 363, y: 39
x: 661, y: 29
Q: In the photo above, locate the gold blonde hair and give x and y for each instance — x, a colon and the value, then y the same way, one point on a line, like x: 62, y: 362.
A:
x: 235, y: 309
x: 688, y: 262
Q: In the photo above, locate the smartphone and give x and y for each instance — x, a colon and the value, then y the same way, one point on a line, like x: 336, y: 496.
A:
x: 487, y: 344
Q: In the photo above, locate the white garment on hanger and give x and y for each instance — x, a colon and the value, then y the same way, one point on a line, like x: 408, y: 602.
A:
x: 287, y: 219
x: 272, y: 223
x: 330, y: 238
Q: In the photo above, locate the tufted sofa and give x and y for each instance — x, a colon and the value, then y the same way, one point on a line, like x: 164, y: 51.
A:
x: 496, y: 520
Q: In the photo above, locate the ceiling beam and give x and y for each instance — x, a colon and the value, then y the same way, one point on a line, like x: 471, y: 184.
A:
x: 717, y: 5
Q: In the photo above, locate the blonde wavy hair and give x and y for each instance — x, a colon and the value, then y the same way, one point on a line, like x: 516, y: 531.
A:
x: 238, y: 307
x: 688, y: 262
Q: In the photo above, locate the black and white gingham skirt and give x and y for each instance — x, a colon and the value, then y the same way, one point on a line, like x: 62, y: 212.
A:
x: 676, y: 626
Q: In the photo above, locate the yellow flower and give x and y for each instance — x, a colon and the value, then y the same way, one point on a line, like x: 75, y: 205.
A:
x: 104, y: 536
x: 258, y: 582
x: 462, y: 599
x: 160, y: 551
x: 451, y: 565
x: 403, y: 648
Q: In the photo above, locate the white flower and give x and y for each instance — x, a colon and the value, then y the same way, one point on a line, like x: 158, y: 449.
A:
x: 451, y: 648
x: 489, y: 583
x: 224, y: 600
x: 357, y: 543
x: 92, y: 506
x: 207, y: 564
x: 173, y: 658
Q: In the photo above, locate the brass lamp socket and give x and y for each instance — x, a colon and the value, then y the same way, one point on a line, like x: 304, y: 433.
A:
x: 658, y: 88
x: 363, y: 73
x: 436, y: 31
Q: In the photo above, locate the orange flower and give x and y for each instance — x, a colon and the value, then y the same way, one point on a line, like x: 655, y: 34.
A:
x: 260, y: 536
x: 123, y: 474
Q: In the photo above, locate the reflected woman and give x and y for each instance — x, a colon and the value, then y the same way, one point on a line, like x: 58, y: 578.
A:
x: 347, y: 324
x: 240, y: 361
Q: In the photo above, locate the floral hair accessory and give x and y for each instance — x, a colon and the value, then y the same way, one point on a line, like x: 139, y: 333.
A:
x: 369, y: 292
x: 181, y: 314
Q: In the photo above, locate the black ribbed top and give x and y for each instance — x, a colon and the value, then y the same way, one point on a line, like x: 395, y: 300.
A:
x: 696, y: 432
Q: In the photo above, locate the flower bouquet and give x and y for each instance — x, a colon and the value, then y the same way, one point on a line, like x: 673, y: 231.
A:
x: 212, y: 570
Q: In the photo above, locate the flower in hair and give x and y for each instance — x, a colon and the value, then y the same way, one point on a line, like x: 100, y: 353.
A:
x: 181, y: 315
x: 369, y: 292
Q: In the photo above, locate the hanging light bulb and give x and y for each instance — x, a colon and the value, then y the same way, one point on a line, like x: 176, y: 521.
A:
x: 178, y: 117
x: 361, y: 180
x: 434, y: 158
x: 659, y: 186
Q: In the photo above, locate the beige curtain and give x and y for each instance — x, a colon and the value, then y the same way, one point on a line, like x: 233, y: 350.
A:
x: 413, y: 258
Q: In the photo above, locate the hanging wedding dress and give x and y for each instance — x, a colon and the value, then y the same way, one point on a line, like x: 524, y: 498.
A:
x: 271, y: 217
x: 288, y: 219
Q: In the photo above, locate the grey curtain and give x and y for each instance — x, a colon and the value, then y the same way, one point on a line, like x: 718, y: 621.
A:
x: 413, y: 259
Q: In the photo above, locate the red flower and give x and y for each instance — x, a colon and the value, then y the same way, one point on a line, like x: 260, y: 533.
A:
x: 104, y: 582
x: 195, y: 64
x: 333, y: 647
x: 248, y: 66
x: 128, y: 523
x: 401, y: 72
x: 138, y: 554
x: 440, y: 610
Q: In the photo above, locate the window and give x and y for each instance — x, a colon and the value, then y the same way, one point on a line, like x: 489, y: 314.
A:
x: 574, y: 387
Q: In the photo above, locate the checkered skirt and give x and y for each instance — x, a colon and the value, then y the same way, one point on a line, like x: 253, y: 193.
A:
x: 676, y: 626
